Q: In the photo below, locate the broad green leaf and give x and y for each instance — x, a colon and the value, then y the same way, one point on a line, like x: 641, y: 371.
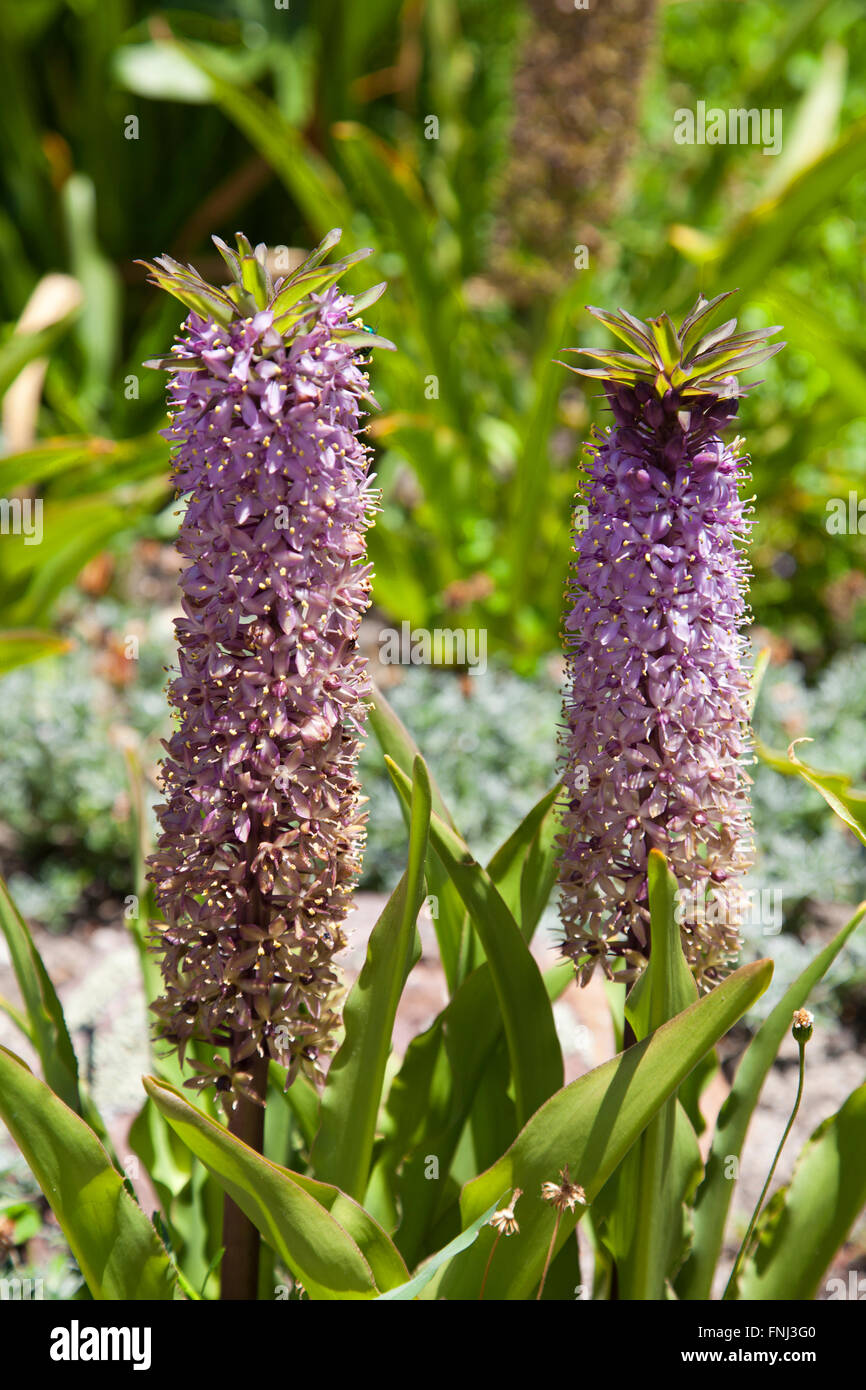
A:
x: 644, y: 1208
x: 433, y: 1095
x: 591, y: 1125
x: 816, y: 120
x: 667, y: 986
x: 294, y: 1214
x: 715, y: 1192
x: 117, y: 1249
x: 350, y: 1104
x: 804, y: 1225
x: 536, y: 1058
x: 44, y: 1012
x: 397, y: 743
x: 301, y: 1098
x: 524, y: 867
x: 432, y: 1266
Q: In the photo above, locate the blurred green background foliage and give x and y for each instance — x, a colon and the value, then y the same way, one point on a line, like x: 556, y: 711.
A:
x: 477, y: 149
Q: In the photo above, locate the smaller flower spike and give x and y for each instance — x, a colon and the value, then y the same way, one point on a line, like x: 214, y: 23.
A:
x: 657, y: 699
x: 262, y: 830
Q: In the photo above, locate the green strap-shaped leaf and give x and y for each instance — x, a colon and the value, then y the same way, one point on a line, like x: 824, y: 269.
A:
x: 117, y: 1250
x: 848, y: 803
x: 44, y: 1012
x: 397, y: 743
x: 645, y: 1227
x: 667, y: 986
x: 524, y: 868
x: 590, y: 1125
x: 353, y: 1094
x: 536, y: 1057
x: 443, y: 1257
x: 714, y: 1194
x: 294, y: 1214
x: 804, y: 1225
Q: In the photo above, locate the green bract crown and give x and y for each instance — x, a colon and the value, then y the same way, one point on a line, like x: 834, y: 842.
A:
x: 253, y: 289
x: 687, y: 360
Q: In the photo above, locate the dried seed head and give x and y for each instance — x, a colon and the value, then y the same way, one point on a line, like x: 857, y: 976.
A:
x: 504, y: 1221
x: 564, y: 1194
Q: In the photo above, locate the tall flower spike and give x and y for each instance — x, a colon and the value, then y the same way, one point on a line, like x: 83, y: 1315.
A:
x: 262, y: 831
x: 656, y: 705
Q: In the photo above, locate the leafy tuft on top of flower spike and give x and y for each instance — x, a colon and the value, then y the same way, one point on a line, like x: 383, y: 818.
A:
x: 686, y: 360
x: 253, y: 289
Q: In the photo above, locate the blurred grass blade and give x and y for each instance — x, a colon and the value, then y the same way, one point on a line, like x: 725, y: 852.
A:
x: 533, y: 466
x: 117, y: 1250
x: 18, y: 648
x: 312, y: 182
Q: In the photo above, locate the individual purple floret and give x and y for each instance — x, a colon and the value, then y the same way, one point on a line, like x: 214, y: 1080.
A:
x: 657, y: 700
x: 262, y: 831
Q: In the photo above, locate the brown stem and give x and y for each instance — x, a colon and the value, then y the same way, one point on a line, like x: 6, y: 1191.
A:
x: 239, y: 1276
x: 549, y: 1256
x: 487, y: 1266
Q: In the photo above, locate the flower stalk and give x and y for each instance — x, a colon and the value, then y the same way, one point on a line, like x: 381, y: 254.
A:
x: 801, y: 1030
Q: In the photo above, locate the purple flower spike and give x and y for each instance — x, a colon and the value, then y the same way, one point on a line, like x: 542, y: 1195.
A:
x: 262, y: 832
x: 657, y: 701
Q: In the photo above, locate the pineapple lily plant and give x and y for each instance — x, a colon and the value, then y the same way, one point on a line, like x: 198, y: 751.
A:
x: 292, y: 1155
